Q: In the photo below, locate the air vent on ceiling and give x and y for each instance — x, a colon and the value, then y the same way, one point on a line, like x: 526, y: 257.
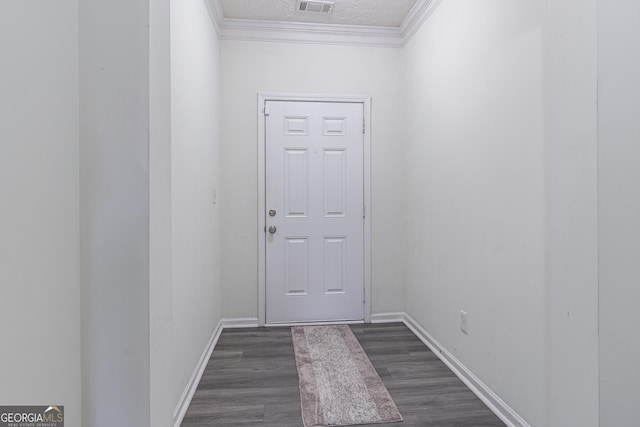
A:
x: 315, y: 6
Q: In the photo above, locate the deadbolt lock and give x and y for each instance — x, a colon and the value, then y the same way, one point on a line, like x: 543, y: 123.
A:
x: 272, y: 212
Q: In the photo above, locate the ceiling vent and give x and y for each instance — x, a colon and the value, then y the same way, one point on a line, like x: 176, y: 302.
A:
x: 315, y: 6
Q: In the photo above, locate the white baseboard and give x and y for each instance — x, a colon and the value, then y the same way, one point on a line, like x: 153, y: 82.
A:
x: 336, y: 322
x: 192, y: 385
x: 387, y: 317
x: 240, y: 322
x: 480, y: 389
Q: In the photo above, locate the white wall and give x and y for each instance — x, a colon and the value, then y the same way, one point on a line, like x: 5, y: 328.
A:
x: 474, y: 236
x: 572, y: 220
x: 252, y: 67
x: 619, y: 209
x: 195, y: 141
x: 39, y: 247
x: 114, y: 198
x: 161, y: 387
x: 149, y: 164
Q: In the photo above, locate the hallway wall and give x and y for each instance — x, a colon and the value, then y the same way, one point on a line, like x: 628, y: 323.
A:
x: 619, y: 209
x: 195, y: 167
x: 474, y: 236
x: 39, y: 232
x: 252, y: 67
x: 114, y: 131
x: 572, y: 211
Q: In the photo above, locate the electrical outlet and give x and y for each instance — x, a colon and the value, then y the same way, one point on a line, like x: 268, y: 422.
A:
x: 464, y: 322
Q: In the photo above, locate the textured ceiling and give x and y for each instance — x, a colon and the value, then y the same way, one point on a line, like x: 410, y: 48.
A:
x: 385, y: 13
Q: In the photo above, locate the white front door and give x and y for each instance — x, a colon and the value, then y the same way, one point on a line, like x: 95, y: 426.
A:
x: 314, y: 211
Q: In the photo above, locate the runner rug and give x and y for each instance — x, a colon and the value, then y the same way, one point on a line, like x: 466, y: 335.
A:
x: 338, y: 384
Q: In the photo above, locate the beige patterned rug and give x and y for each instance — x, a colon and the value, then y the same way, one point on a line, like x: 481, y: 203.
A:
x: 338, y: 384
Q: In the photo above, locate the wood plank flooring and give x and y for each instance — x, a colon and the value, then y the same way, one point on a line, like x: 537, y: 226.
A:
x: 251, y: 380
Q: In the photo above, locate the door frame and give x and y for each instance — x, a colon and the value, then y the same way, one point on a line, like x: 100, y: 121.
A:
x: 357, y: 99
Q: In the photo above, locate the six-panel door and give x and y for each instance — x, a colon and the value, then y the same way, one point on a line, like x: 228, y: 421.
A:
x: 314, y: 211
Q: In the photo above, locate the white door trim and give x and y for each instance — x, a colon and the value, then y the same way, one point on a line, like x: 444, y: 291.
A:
x: 366, y: 103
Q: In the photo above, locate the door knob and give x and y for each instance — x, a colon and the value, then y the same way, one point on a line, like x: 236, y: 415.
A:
x: 272, y: 229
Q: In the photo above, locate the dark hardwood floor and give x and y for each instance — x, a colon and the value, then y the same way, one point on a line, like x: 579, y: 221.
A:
x: 251, y: 380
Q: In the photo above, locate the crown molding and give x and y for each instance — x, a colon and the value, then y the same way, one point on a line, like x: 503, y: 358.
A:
x: 243, y: 29
x: 215, y: 13
x: 303, y: 32
x: 422, y: 10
